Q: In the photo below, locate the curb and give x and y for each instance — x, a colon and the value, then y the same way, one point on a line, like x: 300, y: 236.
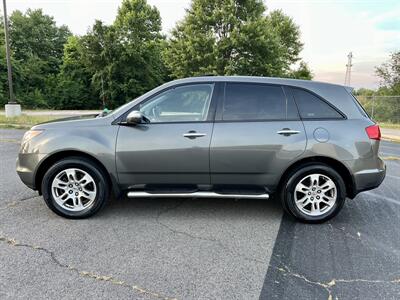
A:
x: 391, y: 138
x: 15, y: 126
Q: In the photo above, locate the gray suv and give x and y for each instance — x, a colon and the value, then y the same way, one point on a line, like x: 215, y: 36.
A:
x: 311, y: 144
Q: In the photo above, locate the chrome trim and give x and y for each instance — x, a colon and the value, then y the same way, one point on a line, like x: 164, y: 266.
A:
x: 194, y: 135
x: 195, y: 195
x: 288, y: 131
x: 370, y: 171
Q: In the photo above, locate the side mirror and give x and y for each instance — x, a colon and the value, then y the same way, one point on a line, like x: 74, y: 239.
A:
x: 134, y: 117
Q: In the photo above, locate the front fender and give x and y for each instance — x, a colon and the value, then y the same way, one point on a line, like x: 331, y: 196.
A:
x: 96, y: 142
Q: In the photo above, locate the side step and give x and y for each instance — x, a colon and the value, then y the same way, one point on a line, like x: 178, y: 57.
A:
x: 142, y: 194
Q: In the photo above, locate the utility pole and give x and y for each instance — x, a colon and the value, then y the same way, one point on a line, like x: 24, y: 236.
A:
x: 102, y: 92
x: 12, y: 108
x: 347, y: 79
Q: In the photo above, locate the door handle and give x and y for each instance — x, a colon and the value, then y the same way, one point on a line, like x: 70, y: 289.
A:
x: 193, y: 134
x: 287, y: 132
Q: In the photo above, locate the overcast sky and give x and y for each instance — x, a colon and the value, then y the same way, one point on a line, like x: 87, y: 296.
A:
x: 330, y: 29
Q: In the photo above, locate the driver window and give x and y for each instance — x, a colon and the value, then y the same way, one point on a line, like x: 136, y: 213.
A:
x: 189, y: 103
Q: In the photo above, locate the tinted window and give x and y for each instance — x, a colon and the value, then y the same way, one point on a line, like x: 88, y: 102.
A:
x: 360, y: 107
x: 181, y: 104
x: 312, y: 107
x: 254, y: 102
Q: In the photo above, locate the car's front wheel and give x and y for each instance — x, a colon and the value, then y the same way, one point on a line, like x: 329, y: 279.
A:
x: 313, y: 193
x: 75, y: 188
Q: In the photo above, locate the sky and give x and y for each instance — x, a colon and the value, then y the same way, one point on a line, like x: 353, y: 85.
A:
x: 330, y: 29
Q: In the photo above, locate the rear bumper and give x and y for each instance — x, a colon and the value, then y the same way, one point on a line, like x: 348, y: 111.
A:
x: 369, y: 179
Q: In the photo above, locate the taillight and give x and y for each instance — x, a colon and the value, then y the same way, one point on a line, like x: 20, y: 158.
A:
x: 374, y: 132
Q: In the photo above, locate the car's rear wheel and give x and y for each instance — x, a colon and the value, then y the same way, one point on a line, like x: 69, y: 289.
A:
x: 75, y: 188
x: 313, y: 193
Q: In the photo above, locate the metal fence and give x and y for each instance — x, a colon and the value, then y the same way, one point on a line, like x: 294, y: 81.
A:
x: 382, y: 108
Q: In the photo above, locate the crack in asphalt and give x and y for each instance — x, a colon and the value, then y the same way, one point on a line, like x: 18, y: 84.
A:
x: 342, y: 229
x: 197, y: 237
x: 372, y: 243
x: 13, y: 242
x: 9, y: 205
x: 17, y: 202
x: 328, y: 285
x: 28, y: 198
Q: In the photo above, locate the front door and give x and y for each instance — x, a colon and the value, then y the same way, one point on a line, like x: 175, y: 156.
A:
x: 174, y: 147
x: 257, y: 134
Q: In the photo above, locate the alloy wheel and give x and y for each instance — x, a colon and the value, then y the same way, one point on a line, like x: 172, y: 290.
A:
x: 315, y: 194
x: 73, y: 189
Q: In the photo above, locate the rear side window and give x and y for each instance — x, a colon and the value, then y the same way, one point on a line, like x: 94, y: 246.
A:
x: 312, y: 107
x: 254, y: 102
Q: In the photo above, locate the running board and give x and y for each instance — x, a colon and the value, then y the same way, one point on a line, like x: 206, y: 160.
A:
x: 141, y: 194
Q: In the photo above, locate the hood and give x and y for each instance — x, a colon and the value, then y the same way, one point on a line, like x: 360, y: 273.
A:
x: 76, y: 121
x: 81, y: 117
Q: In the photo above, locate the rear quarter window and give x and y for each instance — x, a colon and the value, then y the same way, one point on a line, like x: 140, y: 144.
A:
x: 360, y: 107
x: 312, y: 107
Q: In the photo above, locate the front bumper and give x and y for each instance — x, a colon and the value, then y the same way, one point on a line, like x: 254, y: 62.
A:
x: 27, y: 166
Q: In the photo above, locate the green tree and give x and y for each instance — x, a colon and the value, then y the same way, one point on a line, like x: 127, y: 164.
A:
x: 73, y: 89
x: 101, y: 54
x: 125, y: 58
x: 3, y: 67
x: 37, y: 47
x: 233, y: 37
x: 363, y: 92
x: 389, y: 72
x: 36, y: 34
x: 388, y: 108
x: 302, y: 72
x: 3, y: 76
x: 30, y: 81
x: 4, y: 91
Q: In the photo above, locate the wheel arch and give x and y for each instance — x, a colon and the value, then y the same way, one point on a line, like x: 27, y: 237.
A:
x: 331, y: 162
x: 53, y: 158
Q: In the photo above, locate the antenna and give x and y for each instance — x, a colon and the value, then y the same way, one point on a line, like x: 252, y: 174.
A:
x: 347, y: 79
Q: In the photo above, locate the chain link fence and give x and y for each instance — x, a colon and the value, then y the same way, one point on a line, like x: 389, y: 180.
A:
x: 382, y: 108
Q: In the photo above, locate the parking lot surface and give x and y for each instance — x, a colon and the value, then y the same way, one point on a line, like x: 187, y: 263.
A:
x: 197, y: 248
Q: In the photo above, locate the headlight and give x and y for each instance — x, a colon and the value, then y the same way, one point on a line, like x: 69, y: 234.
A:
x: 31, y: 134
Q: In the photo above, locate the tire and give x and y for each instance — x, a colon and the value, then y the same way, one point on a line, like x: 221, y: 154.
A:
x: 300, y: 184
x: 75, y: 188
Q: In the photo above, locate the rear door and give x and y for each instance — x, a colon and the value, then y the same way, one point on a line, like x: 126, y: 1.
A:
x: 257, y: 134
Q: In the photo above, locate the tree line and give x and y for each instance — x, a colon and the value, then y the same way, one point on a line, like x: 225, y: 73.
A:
x: 112, y: 64
x: 384, y: 103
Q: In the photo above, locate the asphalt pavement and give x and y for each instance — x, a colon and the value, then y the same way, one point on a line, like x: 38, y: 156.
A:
x: 356, y: 255
x: 197, y: 248
x: 132, y: 249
